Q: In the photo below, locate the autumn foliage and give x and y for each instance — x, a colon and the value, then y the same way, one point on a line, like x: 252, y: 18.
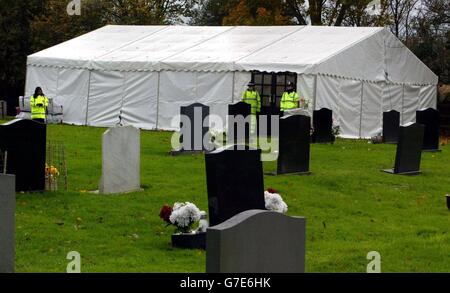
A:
x: 260, y: 13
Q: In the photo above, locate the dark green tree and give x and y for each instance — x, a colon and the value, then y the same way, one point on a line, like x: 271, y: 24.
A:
x: 15, y: 37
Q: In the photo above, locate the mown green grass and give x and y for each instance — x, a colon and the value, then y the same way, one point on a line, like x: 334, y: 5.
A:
x: 351, y: 208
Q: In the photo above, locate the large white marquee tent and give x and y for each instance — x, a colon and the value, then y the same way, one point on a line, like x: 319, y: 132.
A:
x: 145, y: 73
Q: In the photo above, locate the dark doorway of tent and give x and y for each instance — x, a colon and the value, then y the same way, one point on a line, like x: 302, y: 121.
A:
x: 271, y: 86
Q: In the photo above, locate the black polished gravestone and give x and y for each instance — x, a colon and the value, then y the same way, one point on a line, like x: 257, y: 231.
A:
x: 235, y: 182
x: 25, y: 142
x: 239, y: 120
x: 391, y: 125
x: 294, y: 145
x: 409, y: 150
x: 193, y: 119
x: 430, y: 119
x: 323, y: 126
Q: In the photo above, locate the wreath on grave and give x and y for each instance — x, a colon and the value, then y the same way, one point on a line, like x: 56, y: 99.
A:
x: 274, y: 202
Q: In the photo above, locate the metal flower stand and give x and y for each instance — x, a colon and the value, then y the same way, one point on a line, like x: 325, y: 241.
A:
x: 55, y: 167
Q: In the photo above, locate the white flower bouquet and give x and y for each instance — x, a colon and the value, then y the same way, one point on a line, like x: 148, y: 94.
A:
x: 304, y: 103
x: 336, y: 128
x: 274, y: 202
x: 184, y: 215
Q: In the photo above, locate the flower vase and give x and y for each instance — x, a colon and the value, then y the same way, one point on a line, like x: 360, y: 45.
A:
x: 189, y: 240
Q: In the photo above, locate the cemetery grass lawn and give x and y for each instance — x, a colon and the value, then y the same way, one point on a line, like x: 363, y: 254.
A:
x: 351, y: 208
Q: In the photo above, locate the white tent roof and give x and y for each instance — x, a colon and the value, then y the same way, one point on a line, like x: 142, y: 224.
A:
x: 363, y: 53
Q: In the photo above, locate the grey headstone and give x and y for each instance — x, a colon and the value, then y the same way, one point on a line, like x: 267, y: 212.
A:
x: 391, y: 125
x: 7, y: 222
x: 257, y: 241
x: 121, y: 155
x: 235, y: 182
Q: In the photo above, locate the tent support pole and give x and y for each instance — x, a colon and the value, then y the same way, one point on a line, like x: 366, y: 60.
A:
x: 403, y: 100
x: 124, y: 86
x: 315, y: 93
x: 233, y: 87
x: 88, y: 95
x: 361, y: 110
x: 157, y: 100
x: 26, y: 83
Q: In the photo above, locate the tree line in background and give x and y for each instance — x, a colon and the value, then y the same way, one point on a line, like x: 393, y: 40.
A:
x: 28, y: 26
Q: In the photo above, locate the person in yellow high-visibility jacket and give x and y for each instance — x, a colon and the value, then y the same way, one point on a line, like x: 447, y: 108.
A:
x: 290, y: 98
x: 38, y: 105
x: 251, y: 97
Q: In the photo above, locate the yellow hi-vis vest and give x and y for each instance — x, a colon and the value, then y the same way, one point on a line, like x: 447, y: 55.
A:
x: 289, y: 101
x: 38, y: 106
x: 253, y: 99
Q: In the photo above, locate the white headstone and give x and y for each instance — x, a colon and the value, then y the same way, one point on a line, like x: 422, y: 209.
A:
x: 121, y: 158
x: 7, y: 222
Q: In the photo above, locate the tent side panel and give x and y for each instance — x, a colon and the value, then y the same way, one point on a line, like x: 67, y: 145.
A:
x: 73, y: 89
x: 105, y: 98
x: 140, y: 99
x: 179, y: 88
x: 410, y: 103
x: 392, y: 97
x: 176, y: 89
x: 428, y: 97
x: 44, y: 77
x: 305, y: 88
x: 241, y: 79
x: 350, y: 92
x: 328, y: 95
x: 216, y: 91
x: 371, y: 122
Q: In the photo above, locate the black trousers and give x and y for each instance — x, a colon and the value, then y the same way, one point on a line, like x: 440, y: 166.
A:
x: 40, y: 120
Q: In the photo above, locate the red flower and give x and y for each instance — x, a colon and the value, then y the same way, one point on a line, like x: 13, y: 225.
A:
x: 165, y: 213
x: 271, y: 190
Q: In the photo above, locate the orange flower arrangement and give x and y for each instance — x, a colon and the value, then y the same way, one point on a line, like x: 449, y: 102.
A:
x: 51, y: 171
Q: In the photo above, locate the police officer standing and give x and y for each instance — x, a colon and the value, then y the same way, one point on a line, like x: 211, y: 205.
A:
x: 38, y: 104
x: 290, y: 99
x: 251, y: 97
